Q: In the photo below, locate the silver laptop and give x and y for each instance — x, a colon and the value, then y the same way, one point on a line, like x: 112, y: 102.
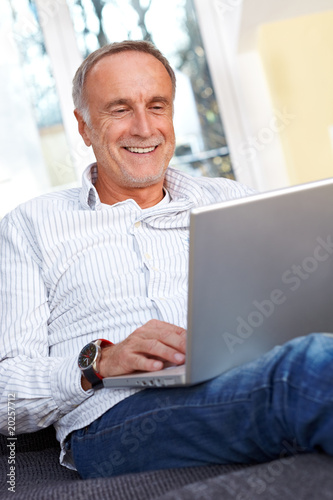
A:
x: 260, y: 274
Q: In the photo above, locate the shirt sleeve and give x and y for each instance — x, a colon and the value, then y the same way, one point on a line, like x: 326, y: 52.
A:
x: 42, y: 388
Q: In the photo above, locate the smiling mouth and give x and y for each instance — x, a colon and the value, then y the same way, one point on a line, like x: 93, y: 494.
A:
x: 141, y: 150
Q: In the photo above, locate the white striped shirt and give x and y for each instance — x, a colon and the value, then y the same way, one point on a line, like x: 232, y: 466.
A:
x: 73, y: 270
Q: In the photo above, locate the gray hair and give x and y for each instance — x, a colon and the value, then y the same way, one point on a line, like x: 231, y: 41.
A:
x: 79, y: 79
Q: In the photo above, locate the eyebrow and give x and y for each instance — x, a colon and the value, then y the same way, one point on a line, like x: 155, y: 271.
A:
x: 160, y: 98
x: 121, y: 102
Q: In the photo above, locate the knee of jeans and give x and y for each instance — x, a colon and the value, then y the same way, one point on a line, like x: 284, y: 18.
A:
x: 312, y: 357
x: 319, y: 345
x: 328, y: 335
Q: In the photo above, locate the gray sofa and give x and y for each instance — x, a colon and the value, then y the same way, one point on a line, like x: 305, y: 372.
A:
x: 38, y: 475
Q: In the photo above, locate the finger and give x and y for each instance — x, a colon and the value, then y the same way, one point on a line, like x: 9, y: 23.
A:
x: 173, y: 340
x: 140, y: 362
x: 165, y: 333
x: 157, y: 349
x: 157, y: 325
x: 148, y: 364
x: 120, y: 360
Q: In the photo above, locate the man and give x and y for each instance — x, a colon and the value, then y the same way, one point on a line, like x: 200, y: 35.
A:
x: 109, y: 262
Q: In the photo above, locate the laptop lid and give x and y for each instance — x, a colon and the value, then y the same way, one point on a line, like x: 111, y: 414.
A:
x: 260, y: 274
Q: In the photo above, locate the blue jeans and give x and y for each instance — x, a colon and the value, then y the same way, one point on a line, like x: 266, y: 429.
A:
x: 279, y: 405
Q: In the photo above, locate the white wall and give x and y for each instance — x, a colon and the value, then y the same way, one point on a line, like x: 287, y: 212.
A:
x: 252, y: 124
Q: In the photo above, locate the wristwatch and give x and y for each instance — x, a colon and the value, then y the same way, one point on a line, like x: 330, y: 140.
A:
x: 88, y: 360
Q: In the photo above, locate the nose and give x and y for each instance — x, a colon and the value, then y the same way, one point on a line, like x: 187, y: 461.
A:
x: 141, y: 124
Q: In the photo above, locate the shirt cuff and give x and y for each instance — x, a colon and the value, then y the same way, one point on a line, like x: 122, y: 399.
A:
x: 66, y: 385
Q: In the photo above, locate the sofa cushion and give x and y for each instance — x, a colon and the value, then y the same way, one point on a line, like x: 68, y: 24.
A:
x: 38, y: 475
x: 302, y: 477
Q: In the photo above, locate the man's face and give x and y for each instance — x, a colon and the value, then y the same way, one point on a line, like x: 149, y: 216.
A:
x: 129, y: 95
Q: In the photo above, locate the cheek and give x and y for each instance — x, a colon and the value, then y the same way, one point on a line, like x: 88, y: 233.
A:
x: 171, y: 136
x: 171, y: 129
x: 105, y: 132
x: 115, y: 133
x: 167, y: 129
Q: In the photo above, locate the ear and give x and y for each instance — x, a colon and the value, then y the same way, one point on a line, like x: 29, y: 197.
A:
x: 83, y: 127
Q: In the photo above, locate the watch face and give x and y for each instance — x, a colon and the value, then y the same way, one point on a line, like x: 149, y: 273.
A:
x: 87, y: 355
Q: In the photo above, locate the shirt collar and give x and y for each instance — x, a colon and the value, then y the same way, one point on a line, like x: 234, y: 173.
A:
x: 89, y: 198
x: 181, y: 187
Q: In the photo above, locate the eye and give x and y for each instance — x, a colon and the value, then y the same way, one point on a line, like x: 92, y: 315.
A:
x: 157, y: 107
x: 117, y: 112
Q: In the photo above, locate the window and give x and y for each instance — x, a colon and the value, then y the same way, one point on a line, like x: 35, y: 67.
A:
x: 32, y: 133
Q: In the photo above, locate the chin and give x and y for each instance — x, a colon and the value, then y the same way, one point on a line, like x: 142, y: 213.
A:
x: 143, y: 181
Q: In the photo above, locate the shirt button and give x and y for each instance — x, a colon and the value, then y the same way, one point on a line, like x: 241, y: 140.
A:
x: 148, y: 256
x: 137, y: 224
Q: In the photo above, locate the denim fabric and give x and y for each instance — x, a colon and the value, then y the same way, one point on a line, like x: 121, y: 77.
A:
x: 279, y: 405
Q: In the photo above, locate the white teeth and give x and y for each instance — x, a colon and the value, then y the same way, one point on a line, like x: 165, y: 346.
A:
x: 141, y: 150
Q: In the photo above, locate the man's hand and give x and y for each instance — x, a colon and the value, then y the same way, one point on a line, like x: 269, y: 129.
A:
x: 148, y: 348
